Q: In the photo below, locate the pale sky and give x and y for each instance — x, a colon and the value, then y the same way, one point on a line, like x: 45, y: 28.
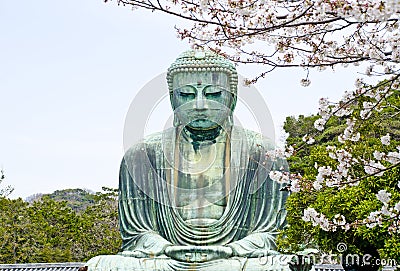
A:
x: 69, y: 71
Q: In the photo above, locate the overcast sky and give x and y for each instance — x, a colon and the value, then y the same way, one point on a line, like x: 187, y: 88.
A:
x: 69, y: 71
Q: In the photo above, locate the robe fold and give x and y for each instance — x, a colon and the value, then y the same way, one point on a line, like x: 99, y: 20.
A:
x: 252, y: 216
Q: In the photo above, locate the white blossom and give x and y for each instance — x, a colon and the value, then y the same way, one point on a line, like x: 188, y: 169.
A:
x: 275, y: 154
x: 285, y: 178
x: 355, y: 137
x: 385, y: 210
x: 348, y: 133
x: 385, y: 139
x: 393, y: 157
x: 383, y: 196
x: 310, y: 141
x: 339, y: 220
x: 323, y: 222
x: 309, y: 214
x: 305, y: 82
x: 397, y: 206
x: 323, y: 106
x: 378, y: 155
x: 325, y: 170
x: 275, y: 175
x: 331, y: 182
x: 332, y: 155
x: 295, y: 186
x: 343, y: 112
x: 280, y: 177
x: 374, y: 168
x: 374, y: 219
x: 365, y: 114
x: 368, y: 105
x: 319, y: 124
x: 317, y: 185
x: 289, y: 151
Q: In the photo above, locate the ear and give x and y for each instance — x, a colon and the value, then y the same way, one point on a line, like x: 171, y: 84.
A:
x: 171, y: 99
x: 234, y: 100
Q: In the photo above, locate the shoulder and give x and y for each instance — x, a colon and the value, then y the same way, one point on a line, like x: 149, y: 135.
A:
x: 151, y: 143
x: 253, y: 138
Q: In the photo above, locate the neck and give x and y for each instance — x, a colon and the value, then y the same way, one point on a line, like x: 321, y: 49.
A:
x: 198, y: 136
x: 203, y: 135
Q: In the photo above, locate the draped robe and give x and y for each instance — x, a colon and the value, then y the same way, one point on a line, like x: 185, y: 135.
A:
x: 254, y: 209
x: 149, y: 219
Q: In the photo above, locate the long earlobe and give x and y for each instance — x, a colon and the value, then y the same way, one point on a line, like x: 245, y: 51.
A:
x: 171, y: 100
x: 230, y: 120
x: 176, y: 121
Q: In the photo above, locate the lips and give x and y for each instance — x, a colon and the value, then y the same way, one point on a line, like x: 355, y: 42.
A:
x: 200, y: 116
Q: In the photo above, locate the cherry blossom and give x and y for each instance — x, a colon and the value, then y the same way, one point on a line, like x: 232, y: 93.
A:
x: 385, y: 139
x: 383, y: 196
x: 339, y: 220
x: 374, y: 168
x: 295, y: 185
x: 311, y: 34
x: 397, y: 207
x: 276, y: 176
x: 319, y: 124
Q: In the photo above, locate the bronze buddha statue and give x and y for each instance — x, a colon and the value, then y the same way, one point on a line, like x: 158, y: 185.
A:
x: 198, y: 196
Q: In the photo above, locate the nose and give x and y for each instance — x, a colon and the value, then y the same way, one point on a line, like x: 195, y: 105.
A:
x: 200, y: 103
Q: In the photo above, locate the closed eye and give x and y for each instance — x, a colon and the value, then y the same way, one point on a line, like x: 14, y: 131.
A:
x: 187, y: 95
x: 214, y: 94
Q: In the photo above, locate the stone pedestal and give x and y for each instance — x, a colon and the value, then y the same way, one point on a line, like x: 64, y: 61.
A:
x: 122, y: 263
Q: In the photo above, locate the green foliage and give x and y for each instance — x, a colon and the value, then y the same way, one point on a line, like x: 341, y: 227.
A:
x: 354, y: 202
x: 101, y: 224
x: 49, y: 230
x: 5, y: 191
x: 77, y: 199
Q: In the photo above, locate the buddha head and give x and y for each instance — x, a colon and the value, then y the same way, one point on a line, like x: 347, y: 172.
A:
x: 203, y: 90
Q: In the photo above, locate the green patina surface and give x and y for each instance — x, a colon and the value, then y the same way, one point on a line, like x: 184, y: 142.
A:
x: 197, y: 196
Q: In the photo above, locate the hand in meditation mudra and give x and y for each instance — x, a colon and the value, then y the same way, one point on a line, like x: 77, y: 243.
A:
x: 198, y: 196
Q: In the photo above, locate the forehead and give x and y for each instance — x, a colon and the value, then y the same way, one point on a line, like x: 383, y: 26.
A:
x: 210, y: 78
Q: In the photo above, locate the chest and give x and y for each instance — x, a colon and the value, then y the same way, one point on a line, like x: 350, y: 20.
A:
x: 201, y: 183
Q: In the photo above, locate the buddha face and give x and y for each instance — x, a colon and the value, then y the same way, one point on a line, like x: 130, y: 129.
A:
x: 202, y: 100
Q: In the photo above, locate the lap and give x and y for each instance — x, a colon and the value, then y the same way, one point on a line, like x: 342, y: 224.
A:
x: 163, y: 263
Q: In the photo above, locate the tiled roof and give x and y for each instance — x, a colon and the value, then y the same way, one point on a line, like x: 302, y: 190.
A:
x: 328, y: 267
x: 42, y: 267
x: 338, y: 267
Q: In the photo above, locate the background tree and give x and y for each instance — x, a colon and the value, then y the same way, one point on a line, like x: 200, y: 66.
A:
x: 100, y: 226
x: 5, y: 191
x: 344, y: 215
x: 78, y: 199
x: 50, y: 230
x: 13, y: 228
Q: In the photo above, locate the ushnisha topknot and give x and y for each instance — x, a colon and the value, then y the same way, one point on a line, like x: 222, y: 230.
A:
x: 203, y: 60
